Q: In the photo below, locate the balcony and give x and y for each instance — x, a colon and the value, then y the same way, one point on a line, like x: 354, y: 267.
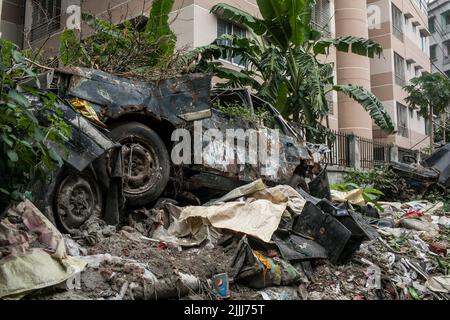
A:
x: 425, y: 32
x: 408, y: 15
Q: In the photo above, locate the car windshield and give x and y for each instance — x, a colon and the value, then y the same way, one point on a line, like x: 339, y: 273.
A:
x: 276, y: 115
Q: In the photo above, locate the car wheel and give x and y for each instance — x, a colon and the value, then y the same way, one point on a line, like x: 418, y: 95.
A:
x: 77, y: 197
x: 146, y: 162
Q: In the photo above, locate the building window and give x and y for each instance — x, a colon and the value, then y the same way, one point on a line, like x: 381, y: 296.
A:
x: 446, y: 53
x: 423, y: 42
x: 432, y: 24
x: 447, y: 18
x: 402, y: 120
x: 447, y: 73
x: 321, y: 16
x: 399, y: 65
x: 411, y: 113
x: 226, y: 27
x: 417, y: 71
x: 433, y: 52
x: 46, y: 18
x: 397, y: 22
x: 423, y: 5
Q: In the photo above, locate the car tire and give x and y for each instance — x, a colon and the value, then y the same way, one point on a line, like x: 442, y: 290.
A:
x: 76, y: 197
x: 146, y: 162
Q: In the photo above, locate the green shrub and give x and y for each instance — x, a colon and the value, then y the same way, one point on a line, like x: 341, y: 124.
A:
x: 128, y: 49
x: 380, y: 178
x: 24, y: 153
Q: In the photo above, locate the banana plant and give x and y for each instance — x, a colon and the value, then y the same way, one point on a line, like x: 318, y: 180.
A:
x: 281, y: 55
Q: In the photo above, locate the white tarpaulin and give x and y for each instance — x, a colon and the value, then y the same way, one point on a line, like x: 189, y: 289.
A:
x: 257, y: 212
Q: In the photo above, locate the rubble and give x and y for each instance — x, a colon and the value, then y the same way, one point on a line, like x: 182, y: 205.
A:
x: 169, y: 253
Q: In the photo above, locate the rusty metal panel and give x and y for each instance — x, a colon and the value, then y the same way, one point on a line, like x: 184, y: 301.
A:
x: 87, y: 142
x: 167, y: 99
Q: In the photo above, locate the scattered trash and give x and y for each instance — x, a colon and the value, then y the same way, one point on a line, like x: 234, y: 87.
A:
x: 256, y: 242
x: 431, y: 229
x: 439, y: 284
x: 279, y: 293
x: 221, y: 285
x: 438, y: 248
x: 413, y: 214
x: 33, y: 253
x: 354, y: 196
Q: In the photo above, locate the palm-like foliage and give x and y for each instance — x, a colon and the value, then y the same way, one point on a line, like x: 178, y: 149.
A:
x: 281, y: 55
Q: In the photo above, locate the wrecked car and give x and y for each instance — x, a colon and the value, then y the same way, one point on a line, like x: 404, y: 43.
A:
x: 142, y: 117
x: 74, y: 193
x: 431, y: 174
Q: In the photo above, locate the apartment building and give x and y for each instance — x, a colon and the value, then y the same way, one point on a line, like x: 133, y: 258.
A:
x: 403, y: 33
x: 12, y: 20
x: 439, y: 24
x: 400, y: 26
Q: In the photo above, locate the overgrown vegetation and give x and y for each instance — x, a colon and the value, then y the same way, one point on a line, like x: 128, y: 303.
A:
x: 25, y: 128
x: 387, y: 182
x: 430, y: 94
x: 136, y: 48
x: 370, y: 195
x: 379, y: 183
x: 281, y: 55
x: 381, y: 178
x: 239, y: 111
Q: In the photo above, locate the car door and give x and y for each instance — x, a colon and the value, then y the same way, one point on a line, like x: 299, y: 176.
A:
x: 229, y: 154
x: 284, y: 149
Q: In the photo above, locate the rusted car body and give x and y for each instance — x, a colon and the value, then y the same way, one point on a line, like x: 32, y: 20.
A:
x: 142, y: 117
x: 73, y: 192
x: 431, y: 174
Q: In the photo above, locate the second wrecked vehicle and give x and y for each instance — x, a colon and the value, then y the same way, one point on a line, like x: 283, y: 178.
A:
x: 142, y: 117
x: 430, y: 175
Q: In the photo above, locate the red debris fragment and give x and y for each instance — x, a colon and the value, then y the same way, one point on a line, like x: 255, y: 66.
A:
x: 438, y: 248
x: 413, y: 214
x: 162, y: 246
